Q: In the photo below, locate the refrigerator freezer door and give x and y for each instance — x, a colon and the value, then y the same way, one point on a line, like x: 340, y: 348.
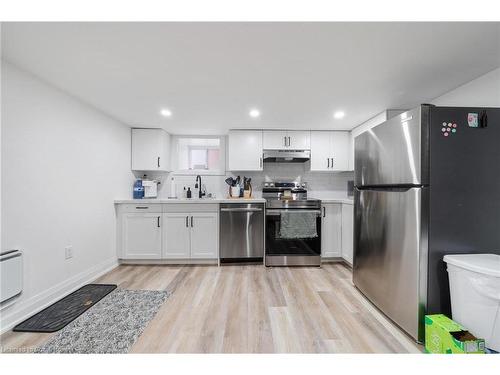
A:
x: 390, y: 153
x: 387, y: 255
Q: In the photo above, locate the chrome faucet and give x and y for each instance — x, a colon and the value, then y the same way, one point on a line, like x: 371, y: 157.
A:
x: 197, y: 185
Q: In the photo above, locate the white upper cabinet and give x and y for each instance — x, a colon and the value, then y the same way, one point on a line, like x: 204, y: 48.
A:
x: 245, y: 150
x: 341, y: 142
x: 330, y: 150
x: 321, y: 150
x: 351, y: 151
x: 275, y: 139
x: 150, y: 150
x: 287, y: 139
x: 299, y: 139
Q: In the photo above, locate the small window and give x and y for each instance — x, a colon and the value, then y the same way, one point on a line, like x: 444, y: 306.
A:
x: 198, y: 155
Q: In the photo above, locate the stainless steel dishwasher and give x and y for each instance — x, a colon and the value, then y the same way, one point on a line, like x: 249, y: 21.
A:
x: 241, y: 232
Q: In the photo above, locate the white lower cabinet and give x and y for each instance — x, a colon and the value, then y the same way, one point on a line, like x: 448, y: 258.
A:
x: 141, y: 235
x: 337, y: 231
x: 347, y: 232
x: 331, y: 230
x: 191, y: 235
x: 146, y: 233
x: 176, y: 236
x: 204, y: 235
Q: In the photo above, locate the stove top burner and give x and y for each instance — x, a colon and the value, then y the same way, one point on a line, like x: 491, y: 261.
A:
x: 280, y: 194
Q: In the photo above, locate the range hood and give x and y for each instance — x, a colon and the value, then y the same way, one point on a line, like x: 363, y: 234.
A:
x: 286, y: 156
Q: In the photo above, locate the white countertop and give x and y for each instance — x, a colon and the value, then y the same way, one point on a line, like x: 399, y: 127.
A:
x: 191, y: 200
x: 330, y: 197
x: 324, y: 199
x: 324, y: 196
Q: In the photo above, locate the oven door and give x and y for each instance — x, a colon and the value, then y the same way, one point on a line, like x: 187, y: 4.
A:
x: 286, y: 247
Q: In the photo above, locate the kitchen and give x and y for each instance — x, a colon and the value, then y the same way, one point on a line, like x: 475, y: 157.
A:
x: 157, y: 200
x: 282, y: 164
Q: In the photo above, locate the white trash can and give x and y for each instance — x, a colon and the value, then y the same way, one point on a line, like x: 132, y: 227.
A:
x: 475, y: 294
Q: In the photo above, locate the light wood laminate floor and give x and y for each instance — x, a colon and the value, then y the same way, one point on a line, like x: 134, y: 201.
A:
x: 252, y: 309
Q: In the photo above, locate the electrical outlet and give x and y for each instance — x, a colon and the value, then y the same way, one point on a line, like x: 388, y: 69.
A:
x: 68, y: 252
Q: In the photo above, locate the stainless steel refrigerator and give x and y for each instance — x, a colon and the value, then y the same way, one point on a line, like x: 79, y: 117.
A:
x: 427, y: 183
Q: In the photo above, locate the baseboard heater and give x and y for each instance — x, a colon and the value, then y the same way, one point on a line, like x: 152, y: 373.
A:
x: 11, y: 274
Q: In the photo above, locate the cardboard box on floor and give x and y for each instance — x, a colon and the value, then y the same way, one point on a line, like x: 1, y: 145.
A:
x: 444, y: 336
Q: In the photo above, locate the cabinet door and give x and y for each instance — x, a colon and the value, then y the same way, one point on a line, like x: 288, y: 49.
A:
x: 163, y: 163
x: 347, y: 232
x: 331, y: 230
x: 204, y: 235
x: 299, y: 139
x: 176, y: 233
x: 321, y: 150
x: 275, y: 139
x: 341, y: 151
x: 245, y: 150
x: 141, y: 236
x: 150, y: 150
x: 351, y: 152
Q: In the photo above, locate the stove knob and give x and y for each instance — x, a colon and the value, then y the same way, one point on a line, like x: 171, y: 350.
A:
x: 303, y: 184
x: 266, y: 184
x: 271, y: 184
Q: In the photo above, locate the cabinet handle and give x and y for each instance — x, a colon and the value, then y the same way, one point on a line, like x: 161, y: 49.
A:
x: 141, y: 208
x: 284, y: 141
x: 332, y: 162
x: 158, y: 162
x: 158, y: 222
x: 289, y: 142
x: 328, y: 159
x: 187, y: 218
x: 324, y: 212
x: 260, y: 162
x: 191, y: 221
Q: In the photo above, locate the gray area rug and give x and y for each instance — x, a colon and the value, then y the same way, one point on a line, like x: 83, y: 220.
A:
x: 111, y: 326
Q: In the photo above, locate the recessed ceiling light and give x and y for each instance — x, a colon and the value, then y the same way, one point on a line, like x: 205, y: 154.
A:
x: 338, y: 115
x: 254, y: 113
x: 165, y: 112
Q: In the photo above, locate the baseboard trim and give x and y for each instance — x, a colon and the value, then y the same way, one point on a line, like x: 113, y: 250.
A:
x: 168, y: 261
x: 336, y: 260
x: 42, y: 300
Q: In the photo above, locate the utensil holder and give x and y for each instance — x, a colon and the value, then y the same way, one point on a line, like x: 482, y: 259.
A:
x: 234, y: 192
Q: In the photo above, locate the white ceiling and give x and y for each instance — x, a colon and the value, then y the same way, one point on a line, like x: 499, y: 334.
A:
x: 211, y: 74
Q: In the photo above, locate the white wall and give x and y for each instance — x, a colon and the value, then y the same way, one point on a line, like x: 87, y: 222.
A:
x: 63, y: 164
x: 481, y: 92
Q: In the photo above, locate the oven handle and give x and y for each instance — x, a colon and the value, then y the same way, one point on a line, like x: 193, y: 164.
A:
x: 272, y: 212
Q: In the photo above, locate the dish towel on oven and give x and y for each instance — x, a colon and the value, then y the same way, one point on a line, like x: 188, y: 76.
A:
x: 298, y: 224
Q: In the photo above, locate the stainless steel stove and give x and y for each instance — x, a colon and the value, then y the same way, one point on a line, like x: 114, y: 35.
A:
x: 282, y: 248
